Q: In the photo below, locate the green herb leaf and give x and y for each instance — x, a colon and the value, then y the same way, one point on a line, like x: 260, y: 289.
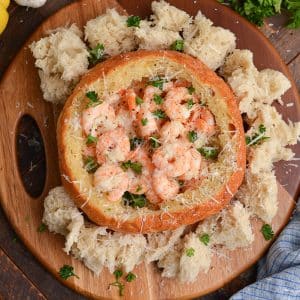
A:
x: 120, y: 286
x: 96, y: 54
x: 158, y: 99
x: 192, y: 136
x: 91, y: 140
x: 133, y: 21
x: 134, y: 200
x: 138, y: 100
x: 144, y: 121
x: 93, y: 97
x: 191, y: 90
x: 208, y: 152
x: 267, y: 232
x: 154, y: 142
x: 130, y: 277
x: 160, y: 114
x: 66, y: 271
x: 190, y: 252
x: 42, y: 228
x: 90, y: 164
x: 178, y: 45
x: 118, y: 274
x: 190, y: 103
x: 138, y: 189
x: 258, y: 137
x: 157, y: 82
x: 135, y: 142
x: 134, y: 166
x: 204, y: 238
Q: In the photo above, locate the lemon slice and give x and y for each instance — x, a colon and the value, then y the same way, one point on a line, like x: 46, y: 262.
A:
x: 4, y: 3
x: 3, y: 18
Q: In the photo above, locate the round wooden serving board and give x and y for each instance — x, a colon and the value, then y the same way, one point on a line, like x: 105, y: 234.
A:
x: 20, y: 95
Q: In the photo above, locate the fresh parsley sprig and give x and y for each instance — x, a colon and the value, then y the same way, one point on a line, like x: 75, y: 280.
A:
x: 66, y: 271
x: 136, y: 167
x: 133, y: 21
x: 267, y: 232
x: 134, y: 200
x: 257, y: 137
x: 96, y: 54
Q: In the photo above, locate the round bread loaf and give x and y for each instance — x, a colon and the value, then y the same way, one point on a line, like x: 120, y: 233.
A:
x: 224, y: 175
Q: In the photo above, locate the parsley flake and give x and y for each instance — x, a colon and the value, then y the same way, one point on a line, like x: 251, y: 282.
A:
x: 136, y: 167
x: 208, y: 152
x: 90, y: 164
x: 178, y: 45
x: 135, y: 142
x: 42, y: 228
x: 138, y: 100
x: 159, y: 114
x: 134, y: 200
x: 204, y: 238
x: 190, y: 103
x: 190, y: 252
x: 157, y: 82
x: 257, y: 137
x: 192, y: 136
x: 130, y: 277
x: 66, y: 271
x: 144, y: 121
x: 158, y: 99
x: 191, y: 90
x: 267, y: 232
x: 96, y: 54
x: 90, y: 140
x: 133, y: 21
x: 154, y: 142
x: 93, y: 97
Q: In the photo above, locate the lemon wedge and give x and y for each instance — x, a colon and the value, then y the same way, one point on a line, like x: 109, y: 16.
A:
x: 5, y: 3
x: 3, y: 18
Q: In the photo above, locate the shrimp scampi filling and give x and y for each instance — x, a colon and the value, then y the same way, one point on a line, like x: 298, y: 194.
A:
x: 145, y: 143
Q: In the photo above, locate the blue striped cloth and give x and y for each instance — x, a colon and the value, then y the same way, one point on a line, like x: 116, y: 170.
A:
x: 279, y: 272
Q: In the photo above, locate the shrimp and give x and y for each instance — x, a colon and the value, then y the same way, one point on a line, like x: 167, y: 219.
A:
x: 194, y: 166
x: 113, y: 99
x: 165, y: 187
x: 175, y: 104
x: 124, y: 120
x: 111, y: 179
x: 98, y: 119
x: 149, y: 93
x: 173, y: 158
x: 89, y: 151
x: 138, y: 184
x: 171, y: 131
x: 202, y: 120
x: 113, y: 146
x: 130, y: 99
x: 147, y: 123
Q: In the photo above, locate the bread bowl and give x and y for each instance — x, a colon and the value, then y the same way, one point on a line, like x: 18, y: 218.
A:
x: 224, y: 174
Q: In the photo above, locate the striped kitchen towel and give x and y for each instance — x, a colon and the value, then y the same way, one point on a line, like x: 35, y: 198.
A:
x: 279, y: 272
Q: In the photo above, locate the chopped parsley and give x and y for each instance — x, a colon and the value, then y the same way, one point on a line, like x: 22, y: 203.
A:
x: 66, y: 271
x: 93, y: 97
x: 135, y: 142
x: 190, y: 252
x: 204, y: 238
x: 138, y: 189
x: 138, y: 100
x: 133, y: 21
x: 90, y: 140
x: 190, y: 103
x: 191, y: 90
x: 118, y: 274
x: 192, y: 136
x: 136, y: 167
x: 157, y: 82
x: 96, y: 54
x: 42, y: 228
x: 160, y: 114
x: 257, y: 137
x: 267, y: 232
x: 144, y: 121
x: 178, y: 45
x: 134, y: 200
x: 158, y: 99
x: 154, y: 142
x: 209, y: 152
x: 90, y: 164
x: 130, y: 277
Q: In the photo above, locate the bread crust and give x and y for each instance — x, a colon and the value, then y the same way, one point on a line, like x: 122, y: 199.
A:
x: 158, y: 221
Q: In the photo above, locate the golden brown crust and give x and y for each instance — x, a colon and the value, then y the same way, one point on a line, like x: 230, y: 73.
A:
x: 162, y: 221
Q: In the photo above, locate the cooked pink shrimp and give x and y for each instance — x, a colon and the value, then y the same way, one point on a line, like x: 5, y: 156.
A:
x: 89, y: 151
x: 165, y: 187
x: 202, y: 120
x: 171, y: 131
x: 168, y: 86
x: 146, y: 121
x: 149, y: 93
x: 124, y: 119
x: 194, y: 166
x: 175, y: 104
x: 138, y: 184
x: 111, y: 179
x: 130, y: 99
x: 113, y: 146
x: 97, y: 119
x: 172, y: 158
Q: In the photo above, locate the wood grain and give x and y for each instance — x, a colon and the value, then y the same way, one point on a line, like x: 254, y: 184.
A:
x: 25, y: 213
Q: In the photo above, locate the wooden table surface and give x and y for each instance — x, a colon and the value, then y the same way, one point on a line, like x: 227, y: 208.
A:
x: 21, y: 275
